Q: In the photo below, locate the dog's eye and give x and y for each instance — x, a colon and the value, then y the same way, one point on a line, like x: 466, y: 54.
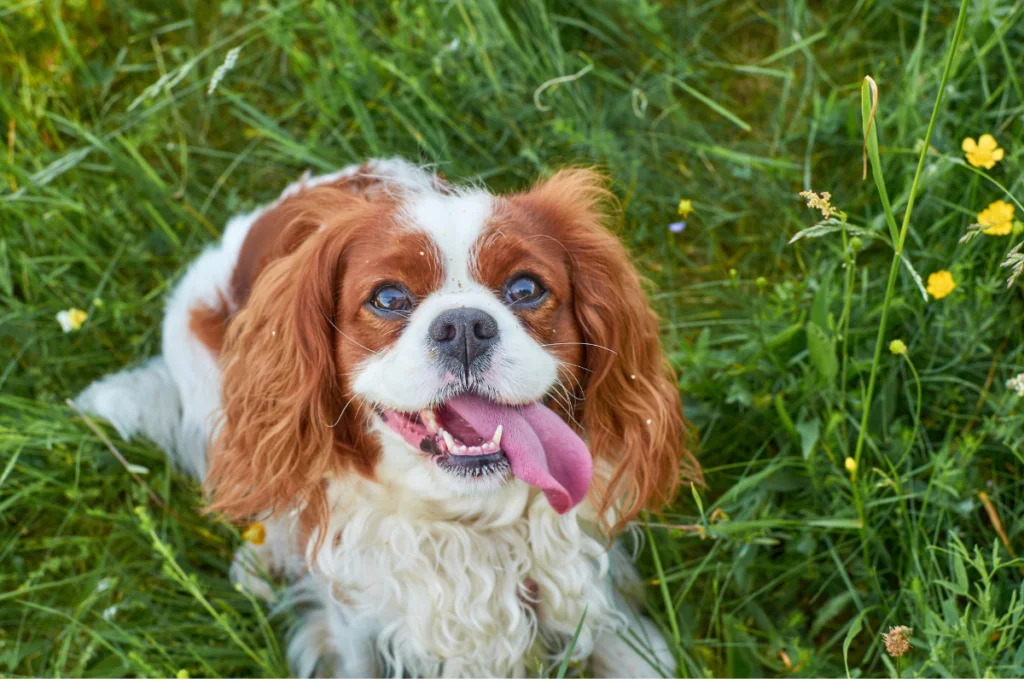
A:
x: 391, y: 299
x: 523, y: 290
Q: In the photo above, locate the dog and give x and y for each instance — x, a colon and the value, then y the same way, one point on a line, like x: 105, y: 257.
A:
x: 441, y: 404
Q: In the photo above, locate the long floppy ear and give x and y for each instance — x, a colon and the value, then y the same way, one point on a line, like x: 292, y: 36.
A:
x: 281, y: 432
x: 632, y: 412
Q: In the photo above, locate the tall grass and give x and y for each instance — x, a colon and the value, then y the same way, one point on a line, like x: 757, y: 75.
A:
x: 121, y: 162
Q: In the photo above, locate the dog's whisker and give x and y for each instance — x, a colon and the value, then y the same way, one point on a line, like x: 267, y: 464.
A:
x: 598, y: 346
x: 338, y: 330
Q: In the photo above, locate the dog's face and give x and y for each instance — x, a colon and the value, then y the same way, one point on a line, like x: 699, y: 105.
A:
x: 458, y: 338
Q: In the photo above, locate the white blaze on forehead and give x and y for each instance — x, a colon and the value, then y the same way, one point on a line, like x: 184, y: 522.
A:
x: 405, y: 376
x: 454, y: 223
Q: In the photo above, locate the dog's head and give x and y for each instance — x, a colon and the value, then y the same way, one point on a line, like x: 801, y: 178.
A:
x: 461, y: 338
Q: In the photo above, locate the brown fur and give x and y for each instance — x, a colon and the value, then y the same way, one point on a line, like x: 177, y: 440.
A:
x: 209, y: 324
x: 288, y: 421
x: 632, y: 411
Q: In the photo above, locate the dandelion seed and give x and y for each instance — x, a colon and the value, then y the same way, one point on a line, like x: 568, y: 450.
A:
x: 109, y: 612
x: 256, y: 534
x: 897, y: 347
x: 940, y: 284
x: 822, y: 202
x: 851, y: 465
x: 685, y: 207
x: 72, y: 319
x: 897, y: 640
x: 997, y: 218
x: 984, y: 153
x: 1016, y: 384
x: 103, y: 585
x: 229, y: 63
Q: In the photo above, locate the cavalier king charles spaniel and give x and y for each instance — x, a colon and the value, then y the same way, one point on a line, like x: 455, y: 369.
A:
x: 441, y: 404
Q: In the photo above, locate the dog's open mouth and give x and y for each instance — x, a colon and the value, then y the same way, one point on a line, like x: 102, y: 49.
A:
x: 474, y: 436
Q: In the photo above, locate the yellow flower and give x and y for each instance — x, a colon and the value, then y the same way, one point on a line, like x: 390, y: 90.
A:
x: 940, y: 284
x: 685, y: 207
x: 851, y: 465
x: 71, y: 319
x: 997, y: 218
x: 898, y: 347
x: 182, y: 673
x: 255, y: 534
x: 983, y: 153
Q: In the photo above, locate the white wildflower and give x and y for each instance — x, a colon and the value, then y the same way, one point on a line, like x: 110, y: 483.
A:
x: 71, y: 319
x: 1016, y: 384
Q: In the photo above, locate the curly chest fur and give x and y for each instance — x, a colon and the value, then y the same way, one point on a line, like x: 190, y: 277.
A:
x: 495, y: 597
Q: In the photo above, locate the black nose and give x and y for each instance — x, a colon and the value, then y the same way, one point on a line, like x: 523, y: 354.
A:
x: 463, y: 335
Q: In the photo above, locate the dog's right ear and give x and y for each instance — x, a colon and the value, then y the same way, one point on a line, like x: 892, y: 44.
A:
x: 280, y: 434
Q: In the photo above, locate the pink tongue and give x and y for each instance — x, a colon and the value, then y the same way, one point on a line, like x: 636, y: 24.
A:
x: 542, y: 449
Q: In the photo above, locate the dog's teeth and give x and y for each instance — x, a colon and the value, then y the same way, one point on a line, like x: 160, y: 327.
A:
x: 449, y: 441
x: 429, y: 418
x: 496, y: 439
x: 488, y: 447
x: 474, y: 450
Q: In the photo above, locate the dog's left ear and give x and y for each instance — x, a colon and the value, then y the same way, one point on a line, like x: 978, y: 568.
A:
x: 632, y: 412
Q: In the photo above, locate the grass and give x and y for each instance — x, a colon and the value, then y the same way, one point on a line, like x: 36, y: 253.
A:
x: 120, y: 166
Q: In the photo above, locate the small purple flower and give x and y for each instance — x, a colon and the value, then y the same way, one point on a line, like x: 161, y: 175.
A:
x: 677, y: 227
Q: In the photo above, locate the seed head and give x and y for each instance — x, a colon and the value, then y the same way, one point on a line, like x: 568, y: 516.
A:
x: 822, y: 202
x: 897, y: 640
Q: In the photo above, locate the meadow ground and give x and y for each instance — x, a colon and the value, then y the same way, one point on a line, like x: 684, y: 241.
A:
x: 121, y: 160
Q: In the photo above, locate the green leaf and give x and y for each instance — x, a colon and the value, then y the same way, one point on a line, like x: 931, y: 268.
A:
x: 868, y: 97
x: 564, y: 666
x: 829, y: 226
x: 822, y: 351
x: 951, y: 587
x: 820, y: 304
x: 961, y: 574
x: 856, y: 627
x: 917, y: 278
x: 696, y: 498
x: 780, y: 338
x: 722, y: 111
x: 809, y: 432
x: 785, y: 419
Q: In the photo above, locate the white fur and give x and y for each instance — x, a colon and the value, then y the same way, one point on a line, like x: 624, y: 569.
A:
x: 420, y: 574
x: 521, y: 371
x: 140, y: 400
